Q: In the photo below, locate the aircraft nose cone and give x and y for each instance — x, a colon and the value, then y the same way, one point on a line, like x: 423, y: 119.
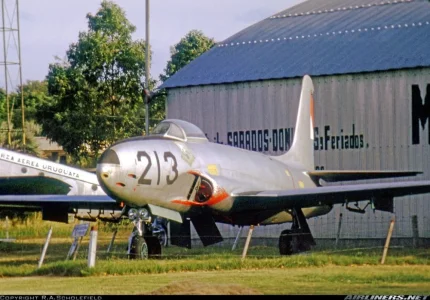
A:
x: 107, y: 168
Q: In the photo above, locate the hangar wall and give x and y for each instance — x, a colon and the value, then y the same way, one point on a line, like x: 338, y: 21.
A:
x: 363, y: 121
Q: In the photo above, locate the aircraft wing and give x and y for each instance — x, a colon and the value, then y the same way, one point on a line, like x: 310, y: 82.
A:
x: 57, y: 207
x: 333, y: 176
x: 35, y: 185
x: 76, y: 201
x: 381, y: 193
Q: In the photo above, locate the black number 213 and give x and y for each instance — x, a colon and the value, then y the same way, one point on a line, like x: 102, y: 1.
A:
x: 167, y: 155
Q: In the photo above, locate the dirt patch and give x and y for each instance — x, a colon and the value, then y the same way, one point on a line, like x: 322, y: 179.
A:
x: 198, y: 288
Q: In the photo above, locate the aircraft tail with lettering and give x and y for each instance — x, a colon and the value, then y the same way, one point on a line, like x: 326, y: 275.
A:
x: 302, y: 148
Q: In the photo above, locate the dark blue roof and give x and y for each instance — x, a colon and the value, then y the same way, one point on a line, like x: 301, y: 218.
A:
x: 318, y: 37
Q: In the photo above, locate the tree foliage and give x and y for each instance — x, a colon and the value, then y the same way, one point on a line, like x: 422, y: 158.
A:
x: 34, y: 93
x: 96, y: 92
x: 192, y: 45
x: 3, y: 109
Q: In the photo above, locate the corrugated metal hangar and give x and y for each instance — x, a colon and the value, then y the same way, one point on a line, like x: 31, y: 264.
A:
x: 370, y: 64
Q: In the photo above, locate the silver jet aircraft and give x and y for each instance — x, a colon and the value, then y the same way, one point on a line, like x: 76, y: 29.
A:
x: 177, y: 174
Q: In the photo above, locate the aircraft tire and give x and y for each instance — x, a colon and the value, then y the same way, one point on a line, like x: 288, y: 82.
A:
x: 286, y: 243
x: 304, y: 247
x: 154, y: 246
x: 139, y: 248
x: 162, y: 236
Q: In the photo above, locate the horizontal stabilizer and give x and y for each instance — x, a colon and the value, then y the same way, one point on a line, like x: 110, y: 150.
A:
x: 279, y: 200
x: 334, y: 176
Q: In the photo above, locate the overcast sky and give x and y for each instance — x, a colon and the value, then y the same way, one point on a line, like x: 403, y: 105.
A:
x: 48, y: 27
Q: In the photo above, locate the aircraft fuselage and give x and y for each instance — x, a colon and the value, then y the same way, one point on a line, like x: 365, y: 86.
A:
x: 165, y: 172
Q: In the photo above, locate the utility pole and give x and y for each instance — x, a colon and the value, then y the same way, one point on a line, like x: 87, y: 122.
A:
x: 6, y: 73
x: 147, y: 77
x: 12, y: 58
x: 20, y: 75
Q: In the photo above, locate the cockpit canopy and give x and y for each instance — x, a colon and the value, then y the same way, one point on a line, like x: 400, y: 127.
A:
x: 179, y: 129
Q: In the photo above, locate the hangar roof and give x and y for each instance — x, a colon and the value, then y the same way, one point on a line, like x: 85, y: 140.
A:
x: 318, y: 37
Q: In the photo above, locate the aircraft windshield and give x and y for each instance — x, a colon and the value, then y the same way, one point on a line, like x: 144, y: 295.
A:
x: 179, y: 129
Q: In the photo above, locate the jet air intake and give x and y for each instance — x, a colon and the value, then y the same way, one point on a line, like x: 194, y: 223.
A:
x: 201, y: 190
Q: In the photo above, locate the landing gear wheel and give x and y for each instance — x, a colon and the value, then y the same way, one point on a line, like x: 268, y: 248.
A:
x: 139, y: 248
x: 144, y: 248
x: 154, y: 247
x: 285, y: 243
x: 290, y: 243
x: 162, y: 236
x: 304, y: 247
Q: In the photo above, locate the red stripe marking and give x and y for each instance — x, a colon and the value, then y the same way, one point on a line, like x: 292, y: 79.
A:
x: 216, y: 198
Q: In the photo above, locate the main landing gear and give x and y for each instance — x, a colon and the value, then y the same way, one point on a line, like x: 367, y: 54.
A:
x: 142, y: 243
x: 297, y: 239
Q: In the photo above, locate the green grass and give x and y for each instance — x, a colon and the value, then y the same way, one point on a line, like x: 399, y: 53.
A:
x: 21, y: 258
x: 34, y: 227
x: 211, y: 270
x: 216, y: 262
x: 388, y: 280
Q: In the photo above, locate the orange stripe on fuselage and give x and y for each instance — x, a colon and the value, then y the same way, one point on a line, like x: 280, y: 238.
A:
x: 216, y: 198
x: 194, y: 172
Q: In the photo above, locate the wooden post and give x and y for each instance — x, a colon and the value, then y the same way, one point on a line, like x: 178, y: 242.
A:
x: 248, y: 240
x: 415, y: 234
x: 77, y: 247
x: 45, y: 247
x: 92, y: 248
x: 7, y: 228
x: 338, y: 230
x: 72, y: 248
x: 112, y: 240
x: 237, y: 238
x: 79, y: 231
x: 387, y: 242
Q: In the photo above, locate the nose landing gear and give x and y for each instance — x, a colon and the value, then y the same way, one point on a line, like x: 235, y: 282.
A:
x: 144, y: 247
x: 142, y: 243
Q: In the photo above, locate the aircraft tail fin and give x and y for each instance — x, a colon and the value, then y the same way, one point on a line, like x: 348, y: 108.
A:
x: 302, y: 148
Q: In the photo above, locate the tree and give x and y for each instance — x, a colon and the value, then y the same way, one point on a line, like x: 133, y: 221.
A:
x: 34, y: 93
x: 17, y: 143
x: 3, y: 109
x: 96, y: 91
x: 189, y: 47
x: 192, y: 45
